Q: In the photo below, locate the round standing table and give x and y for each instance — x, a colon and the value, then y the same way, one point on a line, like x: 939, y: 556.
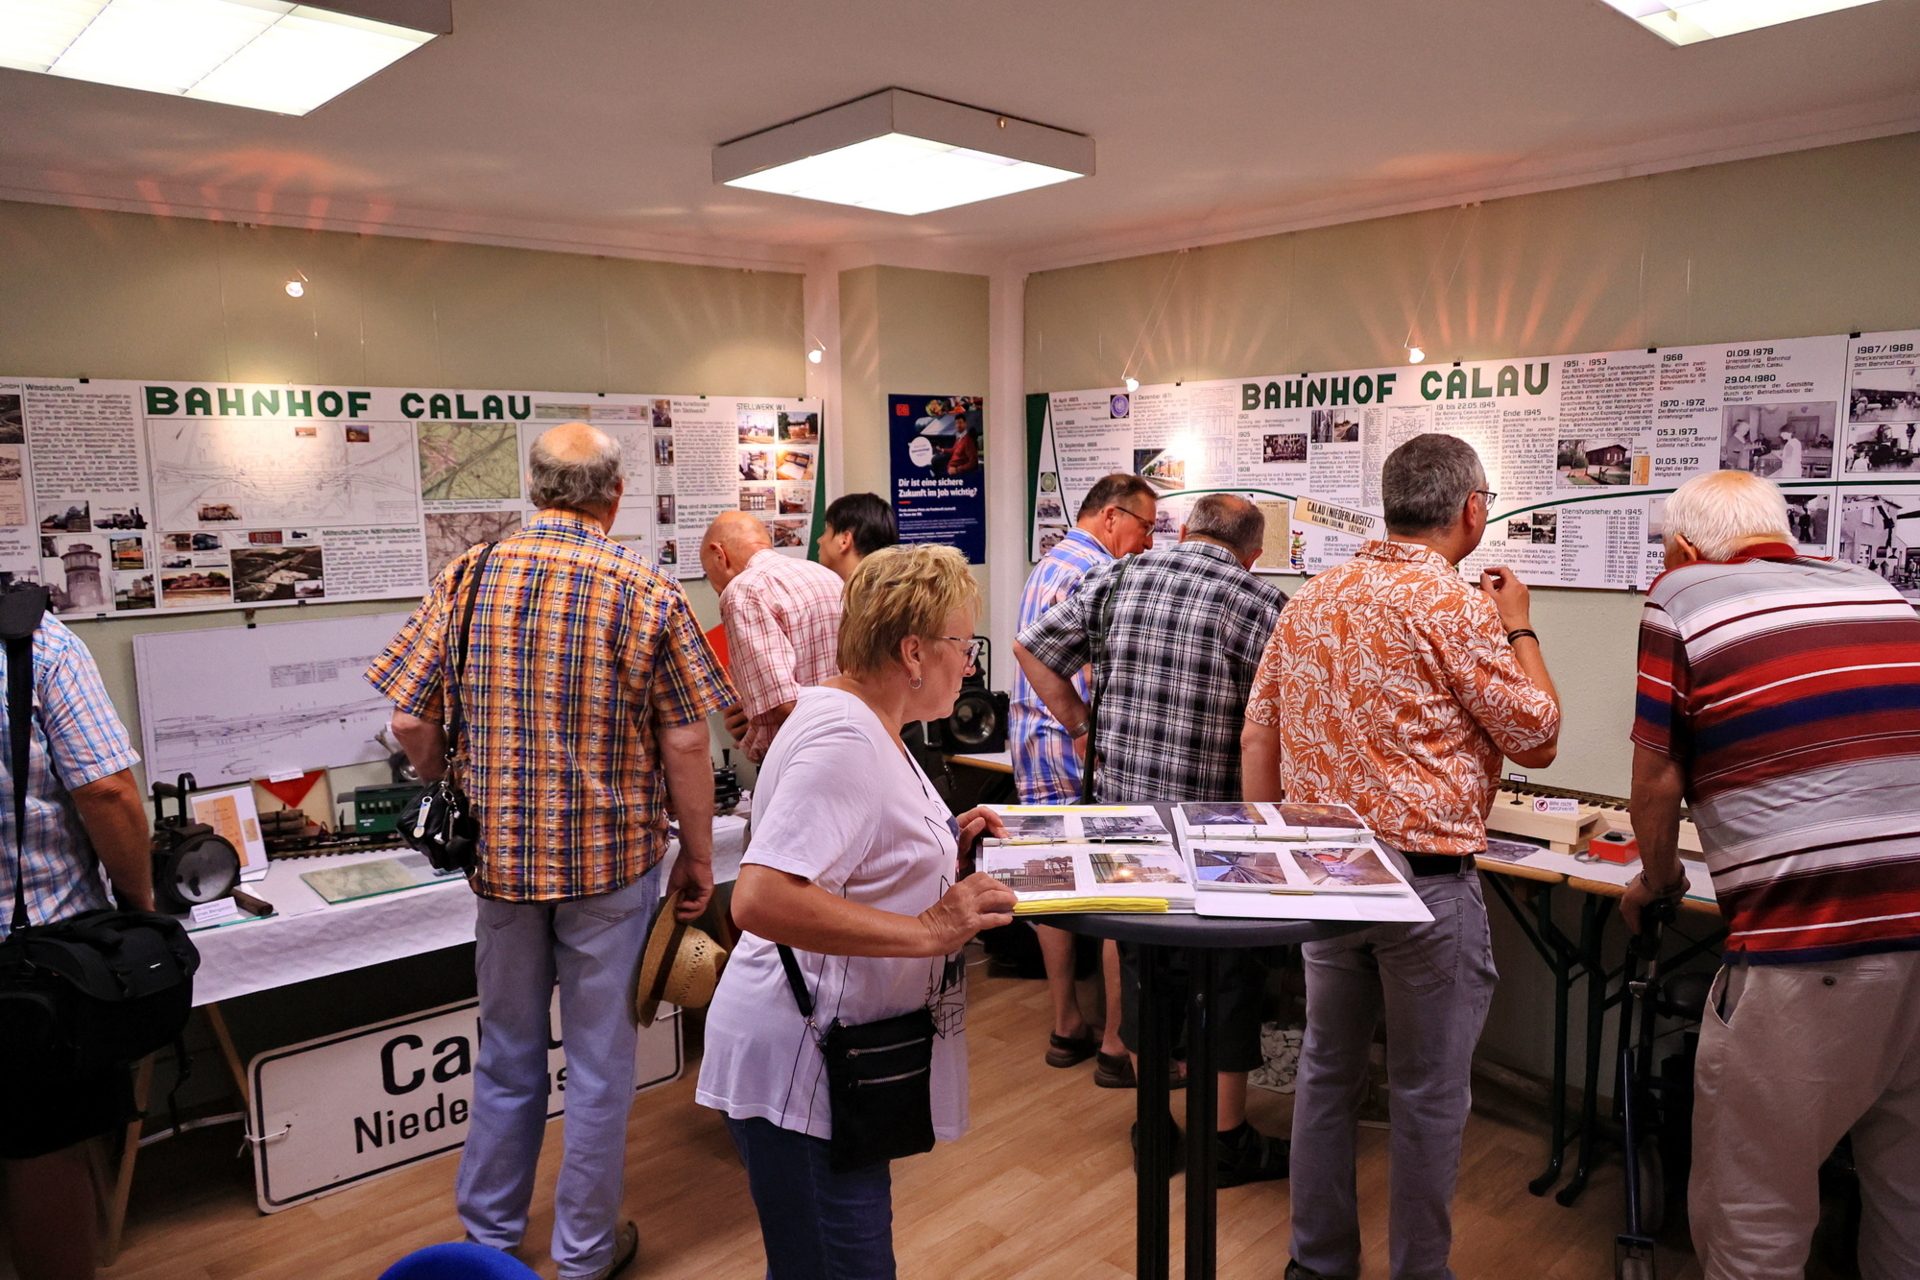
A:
x: 1159, y: 936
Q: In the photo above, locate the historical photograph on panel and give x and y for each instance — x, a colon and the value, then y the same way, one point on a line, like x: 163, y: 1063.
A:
x: 1883, y: 446
x: 66, y: 517
x: 1335, y: 426
x: 1592, y: 461
x: 450, y: 533
x: 1881, y: 532
x: 796, y: 499
x: 663, y: 415
x: 1808, y: 517
x: 664, y: 511
x: 662, y: 447
x: 12, y: 424
x: 757, y: 498
x: 756, y: 464
x: 468, y: 461
x: 1537, y: 528
x: 788, y: 533
x: 74, y: 569
x: 278, y: 573
x: 801, y: 428
x: 1283, y: 447
x: 1780, y: 441
x: 1162, y: 468
x: 794, y: 464
x: 195, y: 586
x: 1885, y: 395
x: 755, y: 428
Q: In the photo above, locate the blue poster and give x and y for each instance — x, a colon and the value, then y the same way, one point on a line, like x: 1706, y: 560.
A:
x: 938, y: 479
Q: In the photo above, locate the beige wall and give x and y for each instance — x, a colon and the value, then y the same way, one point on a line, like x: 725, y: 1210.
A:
x: 114, y: 295
x: 1809, y: 243
x: 905, y: 331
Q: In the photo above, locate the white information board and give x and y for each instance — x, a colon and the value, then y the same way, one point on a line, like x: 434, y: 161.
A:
x: 228, y: 704
x: 334, y: 1112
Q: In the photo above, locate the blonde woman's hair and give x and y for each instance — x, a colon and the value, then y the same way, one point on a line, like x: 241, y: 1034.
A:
x: 899, y: 592
x: 1715, y: 512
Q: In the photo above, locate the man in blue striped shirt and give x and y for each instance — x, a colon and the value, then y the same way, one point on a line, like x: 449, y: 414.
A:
x: 83, y: 816
x: 1116, y: 519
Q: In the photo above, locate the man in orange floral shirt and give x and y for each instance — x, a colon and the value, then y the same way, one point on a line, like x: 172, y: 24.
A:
x: 1393, y: 685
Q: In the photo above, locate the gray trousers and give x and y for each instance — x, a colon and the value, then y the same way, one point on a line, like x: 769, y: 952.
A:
x: 1433, y: 983
x: 591, y: 947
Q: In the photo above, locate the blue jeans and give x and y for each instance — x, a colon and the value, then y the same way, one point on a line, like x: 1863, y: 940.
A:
x: 816, y: 1224
x: 591, y: 948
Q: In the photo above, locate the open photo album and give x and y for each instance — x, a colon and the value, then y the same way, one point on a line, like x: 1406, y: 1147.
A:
x: 1283, y: 821
x: 1090, y: 877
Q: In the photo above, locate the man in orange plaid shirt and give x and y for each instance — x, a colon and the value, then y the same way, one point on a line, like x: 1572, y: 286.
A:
x: 584, y: 699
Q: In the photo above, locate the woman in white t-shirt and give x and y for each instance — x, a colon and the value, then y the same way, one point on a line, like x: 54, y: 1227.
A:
x: 852, y: 864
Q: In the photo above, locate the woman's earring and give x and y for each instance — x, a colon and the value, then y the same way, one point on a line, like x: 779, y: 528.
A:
x: 915, y: 683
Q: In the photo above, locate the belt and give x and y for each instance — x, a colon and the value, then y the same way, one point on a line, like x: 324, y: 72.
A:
x: 1438, y: 864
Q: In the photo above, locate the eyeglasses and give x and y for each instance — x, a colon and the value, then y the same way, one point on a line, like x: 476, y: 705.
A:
x: 1136, y: 515
x: 975, y: 646
x: 1491, y: 496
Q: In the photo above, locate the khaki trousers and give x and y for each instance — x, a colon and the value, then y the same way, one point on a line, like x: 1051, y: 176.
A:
x: 1793, y: 1056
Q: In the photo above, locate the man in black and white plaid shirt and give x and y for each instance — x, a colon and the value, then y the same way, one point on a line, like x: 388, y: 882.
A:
x: 1189, y: 623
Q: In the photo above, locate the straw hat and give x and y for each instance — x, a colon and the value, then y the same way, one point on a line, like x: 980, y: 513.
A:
x: 681, y: 966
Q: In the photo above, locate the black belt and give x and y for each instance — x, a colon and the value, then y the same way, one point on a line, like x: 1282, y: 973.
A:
x: 1438, y: 864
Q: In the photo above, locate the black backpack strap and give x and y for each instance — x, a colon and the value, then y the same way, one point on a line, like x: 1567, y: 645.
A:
x: 457, y: 668
x: 794, y: 980
x: 1098, y: 645
x: 21, y: 609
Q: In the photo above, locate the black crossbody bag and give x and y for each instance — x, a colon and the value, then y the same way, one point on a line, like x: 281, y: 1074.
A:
x: 441, y: 823
x: 879, y: 1081
x: 100, y: 989
x: 1099, y: 647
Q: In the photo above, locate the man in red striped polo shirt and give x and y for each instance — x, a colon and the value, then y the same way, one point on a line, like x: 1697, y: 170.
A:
x: 1780, y: 696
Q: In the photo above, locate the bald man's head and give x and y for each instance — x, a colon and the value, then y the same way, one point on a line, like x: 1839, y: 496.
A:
x: 734, y: 538
x: 575, y: 467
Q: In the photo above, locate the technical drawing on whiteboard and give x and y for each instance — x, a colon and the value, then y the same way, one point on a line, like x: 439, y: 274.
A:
x: 239, y: 474
x: 228, y: 703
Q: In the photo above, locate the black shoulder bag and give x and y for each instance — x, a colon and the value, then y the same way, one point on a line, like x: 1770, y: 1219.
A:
x: 441, y: 823
x: 80, y: 996
x: 1099, y: 646
x: 879, y: 1081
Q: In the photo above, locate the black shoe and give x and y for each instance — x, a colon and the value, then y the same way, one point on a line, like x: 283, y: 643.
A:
x: 1297, y: 1272
x: 1177, y: 1142
x: 1246, y: 1155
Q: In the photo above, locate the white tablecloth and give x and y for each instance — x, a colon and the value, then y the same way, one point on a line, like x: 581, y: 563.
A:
x: 305, y: 938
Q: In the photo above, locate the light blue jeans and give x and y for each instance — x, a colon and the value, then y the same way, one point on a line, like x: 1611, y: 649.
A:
x: 1432, y: 983
x: 591, y: 946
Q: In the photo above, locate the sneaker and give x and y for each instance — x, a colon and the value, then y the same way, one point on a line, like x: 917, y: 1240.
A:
x: 1179, y: 1156
x: 626, y: 1243
x: 1063, y: 1051
x: 1246, y: 1155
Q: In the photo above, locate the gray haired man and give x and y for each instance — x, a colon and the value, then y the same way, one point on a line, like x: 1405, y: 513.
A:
x: 1394, y: 686
x: 584, y: 699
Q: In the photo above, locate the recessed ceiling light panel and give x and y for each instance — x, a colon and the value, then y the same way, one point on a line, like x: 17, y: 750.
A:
x: 1691, y: 21
x: 902, y: 152
x: 266, y: 54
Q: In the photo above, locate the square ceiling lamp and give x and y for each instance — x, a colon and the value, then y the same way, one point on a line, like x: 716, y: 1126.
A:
x: 903, y: 152
x: 1691, y: 21
x: 264, y: 54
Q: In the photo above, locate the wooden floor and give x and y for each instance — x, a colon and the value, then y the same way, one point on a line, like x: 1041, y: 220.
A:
x: 1042, y: 1187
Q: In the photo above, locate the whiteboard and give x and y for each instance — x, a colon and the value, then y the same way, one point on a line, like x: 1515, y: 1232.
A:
x: 228, y: 704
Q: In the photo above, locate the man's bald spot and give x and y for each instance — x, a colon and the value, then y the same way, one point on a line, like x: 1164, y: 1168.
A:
x: 572, y: 443
x: 738, y: 531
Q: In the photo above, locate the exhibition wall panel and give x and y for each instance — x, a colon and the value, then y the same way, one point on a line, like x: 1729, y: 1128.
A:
x: 1816, y: 242
x: 909, y: 331
x: 133, y: 296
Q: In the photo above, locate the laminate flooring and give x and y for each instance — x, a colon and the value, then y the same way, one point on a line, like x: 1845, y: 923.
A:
x: 1042, y: 1187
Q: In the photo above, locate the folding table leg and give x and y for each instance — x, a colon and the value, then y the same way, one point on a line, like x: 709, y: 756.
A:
x: 1154, y: 1165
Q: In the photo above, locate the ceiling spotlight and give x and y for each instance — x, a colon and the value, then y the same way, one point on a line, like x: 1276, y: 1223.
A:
x: 902, y: 152
x: 1415, y: 355
x: 1133, y: 385
x: 1691, y: 21
x: 813, y: 356
x: 266, y: 54
x: 295, y: 288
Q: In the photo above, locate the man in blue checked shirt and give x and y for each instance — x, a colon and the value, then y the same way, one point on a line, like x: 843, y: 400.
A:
x: 1116, y: 519
x: 83, y: 814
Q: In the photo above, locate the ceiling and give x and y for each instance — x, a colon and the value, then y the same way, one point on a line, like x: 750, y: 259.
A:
x: 589, y: 123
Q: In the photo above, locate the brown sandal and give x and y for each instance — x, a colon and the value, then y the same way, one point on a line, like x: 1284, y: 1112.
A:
x: 1063, y: 1051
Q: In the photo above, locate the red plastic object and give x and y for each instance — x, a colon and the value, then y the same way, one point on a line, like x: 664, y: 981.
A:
x: 1615, y: 846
